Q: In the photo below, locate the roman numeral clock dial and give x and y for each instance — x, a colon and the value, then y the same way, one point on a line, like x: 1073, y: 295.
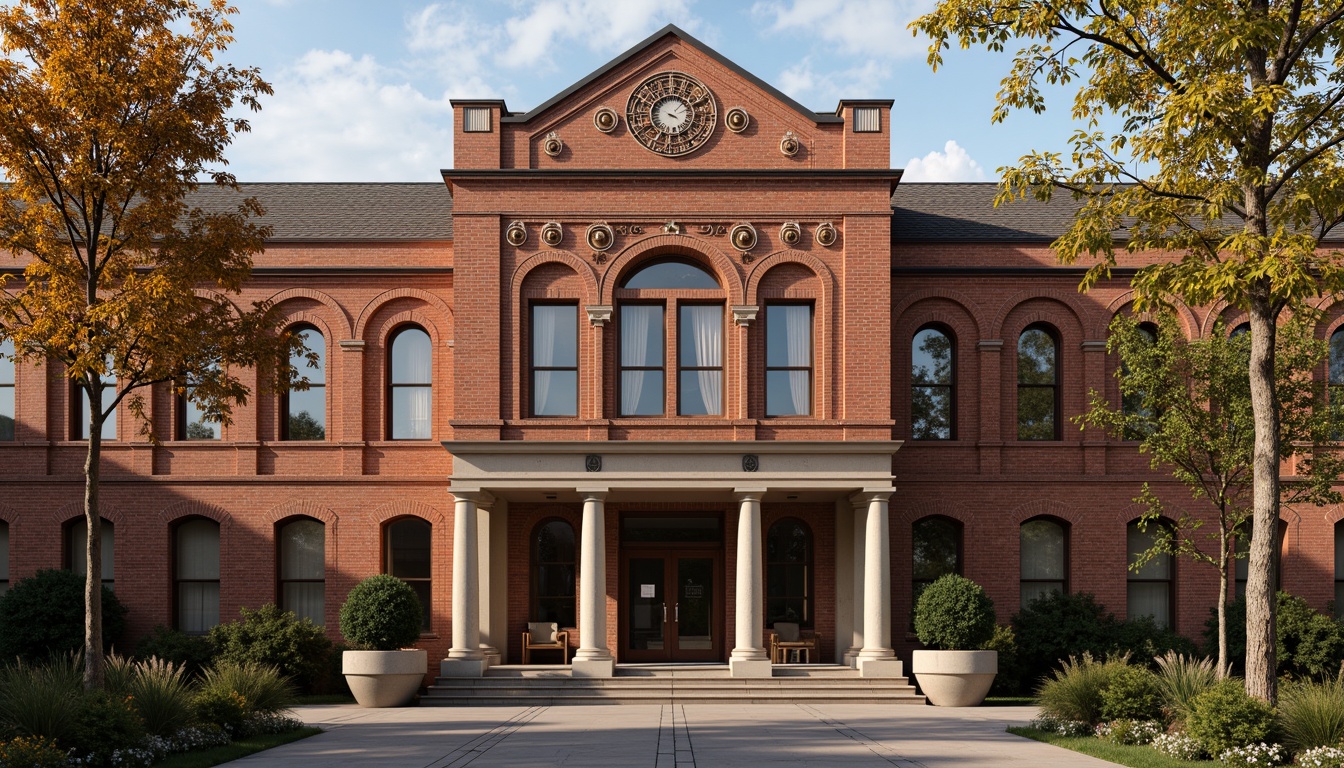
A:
x: 671, y: 113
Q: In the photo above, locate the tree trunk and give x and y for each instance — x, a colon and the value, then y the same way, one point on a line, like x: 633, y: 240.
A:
x: 1222, y: 603
x: 1261, y: 681
x: 93, y: 545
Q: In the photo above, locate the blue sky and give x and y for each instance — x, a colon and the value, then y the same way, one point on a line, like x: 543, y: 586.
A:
x: 362, y: 88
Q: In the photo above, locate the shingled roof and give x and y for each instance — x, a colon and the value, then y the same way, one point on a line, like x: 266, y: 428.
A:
x: 965, y: 213
x: 344, y: 211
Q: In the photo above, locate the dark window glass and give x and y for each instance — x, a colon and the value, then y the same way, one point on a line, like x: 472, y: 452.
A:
x: 788, y: 573
x: 635, y: 529
x: 192, y: 423
x: 1150, y: 587
x: 672, y: 275
x: 1044, y: 559
x: 700, y: 360
x: 305, y: 412
x: 303, y: 569
x: 788, y: 359
x: 1037, y: 385
x: 642, y: 360
x: 7, y: 414
x: 196, y: 554
x: 4, y: 557
x: 555, y: 360
x: 554, y: 566
x: 931, y: 385
x: 80, y: 412
x: 1132, y: 403
x: 1241, y: 330
x: 936, y: 546
x: 1339, y: 569
x: 408, y: 542
x: 410, y: 387
x: 76, y: 545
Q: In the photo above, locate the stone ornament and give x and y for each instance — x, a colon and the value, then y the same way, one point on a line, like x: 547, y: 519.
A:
x: 552, y: 234
x: 605, y: 120
x: 743, y: 237
x: 592, y: 462
x: 751, y: 462
x: 826, y: 234
x: 737, y: 119
x: 600, y: 237
x: 552, y: 145
x: 671, y: 113
x: 516, y: 233
x: 789, y: 145
x: 790, y: 233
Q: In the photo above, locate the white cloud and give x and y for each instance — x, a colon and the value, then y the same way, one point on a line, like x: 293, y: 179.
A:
x: 803, y: 80
x: 952, y: 164
x: 852, y: 27
x: 546, y: 27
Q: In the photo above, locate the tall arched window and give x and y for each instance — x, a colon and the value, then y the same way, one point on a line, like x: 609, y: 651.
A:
x: 7, y: 413
x: 554, y: 570
x: 932, y: 386
x: 1151, y: 588
x: 406, y: 554
x: 192, y: 423
x: 1044, y: 556
x: 1339, y: 569
x: 1037, y: 384
x: 410, y: 385
x: 788, y: 573
x: 1336, y: 393
x: 303, y: 568
x: 4, y: 557
x: 196, y: 575
x: 788, y: 359
x: 77, y: 538
x: 936, y: 547
x: 303, y: 414
x: 555, y: 360
x: 1132, y: 402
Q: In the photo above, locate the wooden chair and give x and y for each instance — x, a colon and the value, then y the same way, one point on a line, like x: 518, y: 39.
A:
x: 788, y: 643
x: 544, y: 636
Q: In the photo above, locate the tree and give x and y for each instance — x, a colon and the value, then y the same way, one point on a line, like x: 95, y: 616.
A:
x: 1210, y: 138
x: 110, y: 112
x: 1189, y: 405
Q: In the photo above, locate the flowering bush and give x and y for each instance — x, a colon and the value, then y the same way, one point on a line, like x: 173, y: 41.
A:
x: 1130, y: 731
x: 1178, y: 745
x: 1254, y: 756
x: 1321, y: 757
x: 267, y: 722
x: 26, y: 752
x: 1062, y: 727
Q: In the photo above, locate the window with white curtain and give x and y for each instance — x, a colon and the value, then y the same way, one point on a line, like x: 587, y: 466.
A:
x: 196, y: 575
x: 303, y: 568
x: 77, y: 547
x: 410, y: 387
x: 1150, y: 587
x: 407, y: 556
x: 4, y: 557
x: 1044, y: 559
x: 7, y: 390
x: 788, y: 359
x: 555, y: 360
x: 304, y: 412
x: 700, y: 388
x: 80, y: 413
x: 642, y: 360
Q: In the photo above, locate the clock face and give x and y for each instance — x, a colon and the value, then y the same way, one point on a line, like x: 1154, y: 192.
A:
x: 671, y: 113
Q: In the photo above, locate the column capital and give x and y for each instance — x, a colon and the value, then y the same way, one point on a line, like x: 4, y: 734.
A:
x: 593, y: 493
x: 1093, y: 345
x: 599, y: 314
x: 869, y: 495
x: 748, y: 494
x: 990, y: 345
x: 351, y: 345
x: 745, y: 314
x: 477, y: 496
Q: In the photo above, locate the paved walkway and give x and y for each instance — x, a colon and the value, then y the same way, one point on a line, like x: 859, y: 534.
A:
x: 668, y: 736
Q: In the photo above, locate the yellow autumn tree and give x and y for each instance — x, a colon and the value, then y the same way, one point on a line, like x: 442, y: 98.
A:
x: 111, y: 114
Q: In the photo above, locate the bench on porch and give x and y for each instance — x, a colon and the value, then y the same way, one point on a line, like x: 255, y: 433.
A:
x: 545, y: 636
x: 788, y: 643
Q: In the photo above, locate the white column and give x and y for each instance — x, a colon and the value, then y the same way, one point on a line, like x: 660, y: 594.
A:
x: 464, y: 657
x: 593, y: 659
x: 877, y: 659
x: 486, y: 584
x: 748, y: 658
x: 860, y: 506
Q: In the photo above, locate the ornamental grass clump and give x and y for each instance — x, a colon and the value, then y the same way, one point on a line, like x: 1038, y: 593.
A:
x: 1225, y: 717
x: 382, y: 613
x: 1074, y: 691
x: 40, y: 700
x: 953, y: 614
x: 1311, y: 713
x: 162, y: 695
x: 1180, y: 679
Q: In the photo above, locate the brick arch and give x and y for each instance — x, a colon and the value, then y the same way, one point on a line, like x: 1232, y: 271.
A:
x: 1045, y: 508
x: 1215, y: 313
x: 206, y: 293
x: 8, y: 514
x: 372, y: 308
x: 1068, y: 300
x: 324, y: 299
x: 659, y: 245
x: 301, y: 508
x: 1331, y: 514
x: 812, y: 263
x: 938, y: 508
x: 318, y: 322
x: 76, y: 509
x: 899, y: 311
x: 394, y: 322
x: 1129, y: 513
x: 396, y: 509
x: 196, y: 509
x: 1186, y: 315
x: 580, y: 267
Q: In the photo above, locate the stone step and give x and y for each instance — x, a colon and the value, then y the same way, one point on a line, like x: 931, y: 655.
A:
x: 553, y: 701
x: 665, y: 683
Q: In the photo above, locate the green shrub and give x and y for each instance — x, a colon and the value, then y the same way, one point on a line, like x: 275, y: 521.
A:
x: 40, y: 700
x: 1310, y: 644
x: 221, y: 707
x: 44, y: 616
x: 1226, y: 717
x: 1143, y: 641
x: 1311, y: 714
x: 1008, y: 682
x: 162, y: 695
x: 103, y: 725
x: 954, y: 614
x: 1180, y: 679
x: 29, y: 752
x: 382, y: 613
x: 298, y: 648
x: 1131, y: 693
x: 261, y: 686
x: 192, y: 652
x: 1074, y: 691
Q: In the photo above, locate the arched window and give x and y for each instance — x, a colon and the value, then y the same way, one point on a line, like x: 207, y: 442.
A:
x: 788, y: 573
x: 1339, y: 568
x: 932, y: 386
x: 196, y: 575
x: 1037, y: 384
x: 555, y: 360
x: 1044, y: 556
x: 554, y: 568
x: 4, y: 557
x: 80, y: 413
x: 1132, y: 403
x: 671, y: 274
x: 1336, y: 393
x: 303, y: 414
x: 936, y: 546
x: 406, y: 553
x: 303, y: 568
x: 76, y: 544
x: 7, y: 413
x: 1242, y: 329
x: 788, y: 359
x: 1151, y: 588
x: 410, y: 385
x: 192, y: 423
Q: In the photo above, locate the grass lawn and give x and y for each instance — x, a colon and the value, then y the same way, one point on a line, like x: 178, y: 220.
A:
x: 1135, y: 757
x: 242, y: 748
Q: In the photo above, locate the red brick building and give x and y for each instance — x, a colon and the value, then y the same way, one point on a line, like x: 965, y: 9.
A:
x: 666, y: 360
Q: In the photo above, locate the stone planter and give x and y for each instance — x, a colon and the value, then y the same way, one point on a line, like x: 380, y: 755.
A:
x: 384, y: 678
x: 955, y: 678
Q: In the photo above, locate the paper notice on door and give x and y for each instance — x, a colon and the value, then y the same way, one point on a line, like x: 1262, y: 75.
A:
x: 646, y: 590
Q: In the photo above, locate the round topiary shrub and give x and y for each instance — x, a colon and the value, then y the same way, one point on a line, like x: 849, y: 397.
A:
x: 1131, y: 694
x: 382, y: 613
x: 44, y: 615
x: 954, y: 614
x: 1226, y: 717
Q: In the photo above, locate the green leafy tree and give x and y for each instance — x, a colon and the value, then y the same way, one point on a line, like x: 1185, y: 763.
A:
x: 302, y: 426
x: 1209, y: 147
x: 1189, y: 403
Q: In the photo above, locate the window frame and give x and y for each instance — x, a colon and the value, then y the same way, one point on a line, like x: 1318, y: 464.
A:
x: 280, y: 580
x: 178, y: 581
x: 811, y: 367
x: 285, y: 415
x: 723, y: 356
x: 1054, y: 387
x: 621, y: 367
x: 81, y: 399
x: 808, y: 619
x: 917, y: 584
x: 533, y: 368
x: 1064, y: 527
x: 534, y: 558
x: 1132, y: 578
x: 4, y: 573
x: 951, y: 386
x: 389, y: 563
x: 9, y: 375
x: 393, y: 386
x: 72, y: 555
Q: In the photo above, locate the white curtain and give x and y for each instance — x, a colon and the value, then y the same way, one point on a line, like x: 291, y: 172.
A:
x: 79, y: 537
x: 412, y: 363
x: 1149, y: 598
x: 303, y: 556
x: 198, y: 567
x: 636, y: 321
x: 799, y: 327
x: 706, y: 328
x: 543, y: 356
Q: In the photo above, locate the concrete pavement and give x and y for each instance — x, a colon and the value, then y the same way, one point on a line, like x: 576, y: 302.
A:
x: 667, y: 736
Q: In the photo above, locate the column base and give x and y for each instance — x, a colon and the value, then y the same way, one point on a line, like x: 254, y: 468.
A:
x: 592, y: 667
x: 750, y: 668
x: 463, y: 667
x: 887, y: 667
x: 493, y: 657
x: 851, y: 657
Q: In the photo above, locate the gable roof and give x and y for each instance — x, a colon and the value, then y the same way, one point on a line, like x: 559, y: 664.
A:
x: 342, y: 211
x: 965, y: 213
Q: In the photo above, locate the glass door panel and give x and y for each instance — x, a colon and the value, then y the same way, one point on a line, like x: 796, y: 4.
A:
x: 646, y: 604
x: 695, y: 604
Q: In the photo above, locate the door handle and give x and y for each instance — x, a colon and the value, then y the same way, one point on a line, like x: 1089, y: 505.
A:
x: 664, y: 612
x: 676, y: 613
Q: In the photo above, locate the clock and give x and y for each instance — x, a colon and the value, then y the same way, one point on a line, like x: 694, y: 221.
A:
x: 671, y: 113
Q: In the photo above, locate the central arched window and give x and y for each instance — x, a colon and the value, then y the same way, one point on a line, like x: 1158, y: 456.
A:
x: 648, y: 318
x: 932, y: 393
x: 76, y: 548
x: 410, y: 384
x: 554, y: 566
x: 788, y: 573
x: 303, y: 568
x: 304, y: 413
x: 1151, y: 587
x: 407, y: 556
x: 7, y: 390
x: 1037, y: 384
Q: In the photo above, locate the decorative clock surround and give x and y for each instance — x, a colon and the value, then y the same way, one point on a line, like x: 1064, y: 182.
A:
x: 671, y: 113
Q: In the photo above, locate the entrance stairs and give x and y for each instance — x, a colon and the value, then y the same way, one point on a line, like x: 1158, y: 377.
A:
x: 553, y: 685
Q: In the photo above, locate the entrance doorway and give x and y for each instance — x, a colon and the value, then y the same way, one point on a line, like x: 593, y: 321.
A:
x: 672, y: 591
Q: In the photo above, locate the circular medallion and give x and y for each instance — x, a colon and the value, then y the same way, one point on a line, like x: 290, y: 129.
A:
x: 671, y: 113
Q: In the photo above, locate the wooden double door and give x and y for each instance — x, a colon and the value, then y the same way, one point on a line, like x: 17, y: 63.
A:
x: 672, y: 605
